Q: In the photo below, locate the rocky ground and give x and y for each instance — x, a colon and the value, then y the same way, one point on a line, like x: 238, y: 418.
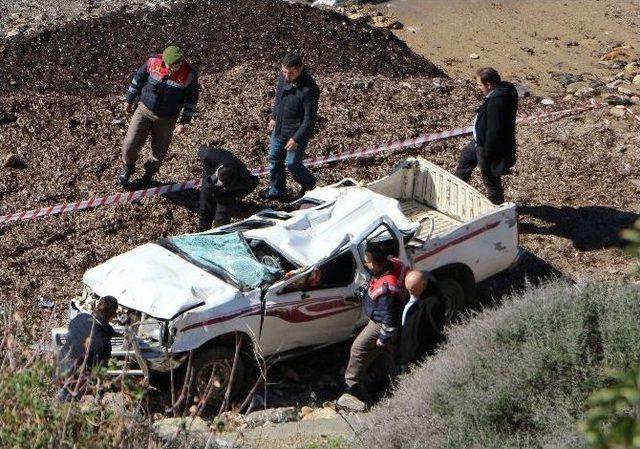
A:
x: 61, y: 124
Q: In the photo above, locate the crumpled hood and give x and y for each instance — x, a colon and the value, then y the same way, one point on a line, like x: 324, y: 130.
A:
x: 153, y: 280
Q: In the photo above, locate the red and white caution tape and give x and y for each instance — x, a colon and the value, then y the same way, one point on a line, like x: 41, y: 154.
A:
x: 412, y: 142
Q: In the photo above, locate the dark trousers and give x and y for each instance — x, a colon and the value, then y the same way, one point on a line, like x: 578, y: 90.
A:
x: 467, y: 162
x: 217, y: 206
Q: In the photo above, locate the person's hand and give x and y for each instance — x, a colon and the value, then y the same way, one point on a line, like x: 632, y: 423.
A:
x: 128, y: 108
x: 180, y: 129
x: 380, y: 343
x: 271, y: 125
x: 291, y: 145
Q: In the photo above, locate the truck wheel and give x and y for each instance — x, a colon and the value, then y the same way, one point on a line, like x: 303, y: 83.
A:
x: 215, y: 364
x: 456, y: 296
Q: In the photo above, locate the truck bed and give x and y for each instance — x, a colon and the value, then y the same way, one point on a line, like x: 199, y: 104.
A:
x: 442, y: 224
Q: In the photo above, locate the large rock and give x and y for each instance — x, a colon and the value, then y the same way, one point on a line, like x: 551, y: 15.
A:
x: 272, y: 415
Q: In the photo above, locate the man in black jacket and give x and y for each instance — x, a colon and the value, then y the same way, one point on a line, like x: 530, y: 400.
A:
x: 423, y: 317
x: 293, y: 119
x: 225, y: 181
x: 493, y: 147
x: 88, y: 345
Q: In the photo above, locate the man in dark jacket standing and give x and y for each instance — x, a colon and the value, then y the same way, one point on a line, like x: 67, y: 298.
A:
x: 225, y: 181
x: 494, y: 134
x: 382, y: 304
x: 293, y: 119
x: 88, y: 345
x: 164, y: 86
x: 423, y: 317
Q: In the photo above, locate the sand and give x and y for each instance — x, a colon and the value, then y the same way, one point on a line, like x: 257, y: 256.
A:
x: 500, y: 32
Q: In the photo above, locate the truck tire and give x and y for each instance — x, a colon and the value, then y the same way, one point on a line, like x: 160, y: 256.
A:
x: 457, y: 297
x: 216, y: 361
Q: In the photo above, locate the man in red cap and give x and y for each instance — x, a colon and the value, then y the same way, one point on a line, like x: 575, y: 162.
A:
x: 164, y: 86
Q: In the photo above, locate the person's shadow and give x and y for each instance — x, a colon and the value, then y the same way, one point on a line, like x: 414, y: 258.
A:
x: 590, y: 228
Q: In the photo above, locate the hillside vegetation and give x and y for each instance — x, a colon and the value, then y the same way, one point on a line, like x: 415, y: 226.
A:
x: 516, y: 376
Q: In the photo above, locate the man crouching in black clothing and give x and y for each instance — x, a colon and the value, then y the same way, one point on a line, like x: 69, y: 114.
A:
x: 88, y: 346
x: 225, y: 181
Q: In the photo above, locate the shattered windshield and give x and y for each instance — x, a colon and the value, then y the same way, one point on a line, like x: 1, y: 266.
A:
x: 225, y: 252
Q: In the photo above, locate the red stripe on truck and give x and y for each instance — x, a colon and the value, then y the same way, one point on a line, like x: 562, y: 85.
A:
x: 461, y: 239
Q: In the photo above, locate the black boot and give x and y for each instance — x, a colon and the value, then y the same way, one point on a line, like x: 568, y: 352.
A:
x: 125, y: 174
x: 147, y: 180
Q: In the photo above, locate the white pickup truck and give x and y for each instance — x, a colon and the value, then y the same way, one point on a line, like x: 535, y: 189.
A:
x: 195, y: 292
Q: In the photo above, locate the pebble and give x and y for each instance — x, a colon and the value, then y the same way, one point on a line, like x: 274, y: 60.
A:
x: 636, y: 79
x: 548, y: 102
x: 574, y: 87
x: 585, y: 92
x: 630, y: 89
x: 474, y: 56
x: 11, y: 161
x: 617, y: 112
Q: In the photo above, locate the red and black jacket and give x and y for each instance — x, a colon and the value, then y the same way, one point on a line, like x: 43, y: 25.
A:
x: 163, y: 93
x: 383, y: 300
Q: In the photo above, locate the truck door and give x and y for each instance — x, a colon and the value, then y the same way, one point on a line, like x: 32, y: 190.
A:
x: 315, y: 307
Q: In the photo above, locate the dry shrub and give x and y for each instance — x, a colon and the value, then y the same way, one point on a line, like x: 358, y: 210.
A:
x: 517, y: 376
x: 29, y: 413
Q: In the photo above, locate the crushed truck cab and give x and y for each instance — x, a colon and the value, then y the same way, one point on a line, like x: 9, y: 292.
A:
x: 288, y: 280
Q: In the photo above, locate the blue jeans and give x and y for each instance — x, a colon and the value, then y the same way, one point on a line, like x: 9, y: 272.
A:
x: 279, y: 158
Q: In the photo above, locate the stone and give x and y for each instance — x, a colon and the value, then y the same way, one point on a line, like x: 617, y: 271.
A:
x: 186, y: 431
x: 364, y: 13
x: 617, y: 64
x: 617, y: 100
x: 632, y: 69
x: 389, y: 22
x: 635, y: 99
x: 572, y: 43
x: 523, y: 91
x: 321, y: 413
x: 574, y: 87
x: 305, y: 411
x: 617, y: 112
x: 547, y: 102
x: 614, y: 84
x: 566, y: 78
x: 585, y: 92
x: 272, y: 415
x: 636, y: 79
x: 350, y: 402
x: 630, y: 89
x: 11, y: 161
x: 567, y: 97
x: 615, y: 54
x: 474, y: 56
